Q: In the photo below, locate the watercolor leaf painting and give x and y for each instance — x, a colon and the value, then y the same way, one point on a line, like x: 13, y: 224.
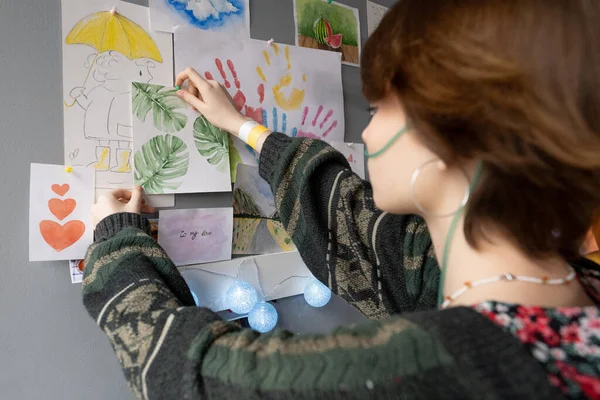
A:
x: 165, y: 161
x: 160, y: 163
x: 162, y: 102
x: 212, y: 143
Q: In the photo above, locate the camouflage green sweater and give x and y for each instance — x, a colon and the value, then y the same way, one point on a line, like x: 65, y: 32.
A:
x: 382, y: 264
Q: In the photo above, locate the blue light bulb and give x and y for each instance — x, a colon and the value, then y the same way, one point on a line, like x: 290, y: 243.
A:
x: 195, y: 298
x: 241, y: 297
x: 316, y: 294
x: 263, y: 317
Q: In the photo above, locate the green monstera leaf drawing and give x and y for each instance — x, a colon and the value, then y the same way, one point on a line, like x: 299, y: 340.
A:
x: 212, y: 143
x: 160, y: 163
x: 162, y: 102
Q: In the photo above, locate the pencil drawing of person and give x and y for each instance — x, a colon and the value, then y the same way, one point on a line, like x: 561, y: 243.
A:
x: 106, y: 98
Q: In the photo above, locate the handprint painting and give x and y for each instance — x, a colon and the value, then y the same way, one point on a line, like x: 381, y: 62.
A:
x: 227, y: 16
x: 293, y: 90
x: 103, y: 52
x: 331, y: 26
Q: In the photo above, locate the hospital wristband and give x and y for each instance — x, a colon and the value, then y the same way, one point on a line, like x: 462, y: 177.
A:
x: 250, y: 132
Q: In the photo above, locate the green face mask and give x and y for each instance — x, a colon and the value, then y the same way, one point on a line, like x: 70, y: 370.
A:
x: 389, y: 144
x: 455, y: 219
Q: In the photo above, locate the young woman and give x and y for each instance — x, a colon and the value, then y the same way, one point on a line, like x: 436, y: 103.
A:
x: 484, y: 154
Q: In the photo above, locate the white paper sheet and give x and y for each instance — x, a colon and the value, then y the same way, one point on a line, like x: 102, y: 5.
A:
x: 300, y: 95
x: 76, y: 273
x: 197, y: 235
x: 354, y: 153
x: 96, y: 100
x: 375, y: 13
x: 227, y: 16
x: 175, y: 149
x: 328, y: 26
x: 279, y: 275
x: 252, y: 195
x: 60, y: 225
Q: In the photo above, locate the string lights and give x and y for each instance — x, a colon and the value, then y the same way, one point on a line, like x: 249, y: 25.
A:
x: 316, y: 294
x: 243, y: 298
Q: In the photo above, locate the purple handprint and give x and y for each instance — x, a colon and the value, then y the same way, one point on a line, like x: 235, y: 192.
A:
x: 313, y: 130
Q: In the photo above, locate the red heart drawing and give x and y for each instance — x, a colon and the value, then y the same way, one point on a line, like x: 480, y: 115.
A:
x: 59, y: 237
x: 61, y: 208
x: 61, y: 190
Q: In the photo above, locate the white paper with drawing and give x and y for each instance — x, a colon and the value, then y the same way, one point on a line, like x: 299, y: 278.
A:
x: 228, y: 16
x: 60, y: 223
x: 375, y: 13
x: 76, y: 270
x: 176, y: 150
x: 289, y: 89
x: 252, y: 195
x: 197, y: 235
x: 102, y: 54
x: 256, y: 226
x: 355, y: 154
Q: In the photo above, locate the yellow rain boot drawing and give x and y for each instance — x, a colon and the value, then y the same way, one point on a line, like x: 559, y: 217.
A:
x: 123, y: 161
x: 103, y: 157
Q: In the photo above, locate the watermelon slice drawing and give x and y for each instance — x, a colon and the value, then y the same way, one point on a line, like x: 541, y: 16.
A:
x: 324, y: 34
x: 322, y: 30
x: 334, y: 41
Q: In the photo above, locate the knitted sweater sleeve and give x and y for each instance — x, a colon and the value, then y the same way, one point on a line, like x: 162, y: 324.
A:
x: 170, y: 349
x: 382, y: 264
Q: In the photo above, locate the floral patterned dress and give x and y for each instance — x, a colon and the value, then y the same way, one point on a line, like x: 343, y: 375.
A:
x: 566, y: 341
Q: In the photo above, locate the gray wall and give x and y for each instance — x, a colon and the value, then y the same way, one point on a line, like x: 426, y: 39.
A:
x: 49, y: 347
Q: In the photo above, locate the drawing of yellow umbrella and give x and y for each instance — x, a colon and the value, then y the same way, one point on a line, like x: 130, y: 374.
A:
x: 111, y: 31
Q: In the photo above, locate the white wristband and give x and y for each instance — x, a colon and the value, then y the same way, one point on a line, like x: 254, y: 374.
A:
x: 246, y: 129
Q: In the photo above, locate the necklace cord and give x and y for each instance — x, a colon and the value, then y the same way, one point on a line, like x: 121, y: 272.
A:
x: 450, y: 235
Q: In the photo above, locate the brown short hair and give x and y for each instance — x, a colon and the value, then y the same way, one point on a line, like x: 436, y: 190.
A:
x: 514, y: 83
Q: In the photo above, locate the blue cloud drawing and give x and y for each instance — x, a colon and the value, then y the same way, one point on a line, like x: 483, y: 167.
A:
x: 209, y: 14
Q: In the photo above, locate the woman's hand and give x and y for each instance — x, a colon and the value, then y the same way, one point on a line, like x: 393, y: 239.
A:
x: 119, y: 201
x: 211, y: 100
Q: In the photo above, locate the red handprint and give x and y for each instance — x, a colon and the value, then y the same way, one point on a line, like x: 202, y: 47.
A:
x: 239, y: 98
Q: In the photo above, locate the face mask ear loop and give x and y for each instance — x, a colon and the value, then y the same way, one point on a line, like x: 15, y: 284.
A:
x: 388, y: 144
x: 450, y: 235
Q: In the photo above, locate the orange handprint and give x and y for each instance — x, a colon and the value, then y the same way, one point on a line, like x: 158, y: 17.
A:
x: 294, y: 100
x: 239, y: 98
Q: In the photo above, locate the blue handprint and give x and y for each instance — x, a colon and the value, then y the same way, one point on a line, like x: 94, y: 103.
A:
x: 252, y: 153
x: 273, y: 126
x: 275, y: 122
